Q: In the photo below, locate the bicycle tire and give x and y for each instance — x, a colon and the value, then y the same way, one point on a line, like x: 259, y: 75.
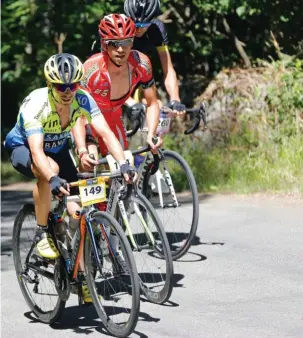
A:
x: 157, y: 297
x: 47, y: 317
x: 182, y: 250
x: 119, y: 331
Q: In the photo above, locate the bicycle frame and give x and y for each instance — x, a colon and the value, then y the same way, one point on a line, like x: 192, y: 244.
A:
x: 114, y: 200
x: 142, y: 174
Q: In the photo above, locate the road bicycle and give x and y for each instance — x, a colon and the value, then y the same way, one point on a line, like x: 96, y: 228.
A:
x: 46, y: 284
x: 145, y: 232
x: 172, y: 189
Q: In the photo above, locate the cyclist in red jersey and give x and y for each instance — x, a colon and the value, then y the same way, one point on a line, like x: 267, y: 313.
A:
x: 111, y: 76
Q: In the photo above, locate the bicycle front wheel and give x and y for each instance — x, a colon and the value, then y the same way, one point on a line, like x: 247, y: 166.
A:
x: 115, y: 292
x: 178, y: 210
x: 153, y: 256
x: 34, y: 273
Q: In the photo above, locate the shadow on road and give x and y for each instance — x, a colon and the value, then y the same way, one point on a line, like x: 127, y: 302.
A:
x: 191, y: 257
x: 84, y: 320
x: 12, y: 201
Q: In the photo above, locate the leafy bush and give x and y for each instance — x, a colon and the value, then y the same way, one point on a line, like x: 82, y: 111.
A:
x: 260, y: 150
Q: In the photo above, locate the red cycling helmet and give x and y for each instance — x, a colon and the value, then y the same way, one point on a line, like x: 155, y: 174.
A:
x: 116, y: 26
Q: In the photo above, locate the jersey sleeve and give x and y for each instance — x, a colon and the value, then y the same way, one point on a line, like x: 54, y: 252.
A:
x: 90, y: 67
x: 30, y: 117
x: 147, y: 79
x: 87, y: 104
x: 158, y: 35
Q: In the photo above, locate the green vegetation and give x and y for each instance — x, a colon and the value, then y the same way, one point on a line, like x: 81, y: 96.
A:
x: 258, y: 148
x: 10, y: 175
x: 260, y: 151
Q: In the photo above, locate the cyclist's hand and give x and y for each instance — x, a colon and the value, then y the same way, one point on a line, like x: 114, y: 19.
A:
x: 154, y: 142
x: 177, y: 107
x: 129, y: 173
x: 88, y: 163
x: 58, y: 186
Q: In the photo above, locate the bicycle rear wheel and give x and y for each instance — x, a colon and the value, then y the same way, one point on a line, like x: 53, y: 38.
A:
x: 153, y: 257
x: 35, y: 274
x: 116, y: 294
x: 180, y: 220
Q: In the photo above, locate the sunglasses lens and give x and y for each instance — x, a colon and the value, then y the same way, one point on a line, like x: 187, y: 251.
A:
x: 62, y: 87
x: 118, y: 43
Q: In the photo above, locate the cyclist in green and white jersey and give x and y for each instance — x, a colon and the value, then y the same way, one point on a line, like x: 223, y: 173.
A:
x: 38, y: 143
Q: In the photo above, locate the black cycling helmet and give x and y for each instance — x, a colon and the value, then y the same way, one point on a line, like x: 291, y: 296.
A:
x: 142, y: 10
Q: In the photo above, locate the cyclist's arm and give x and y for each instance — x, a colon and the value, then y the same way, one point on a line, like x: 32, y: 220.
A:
x: 40, y: 161
x: 169, y: 74
x: 113, y: 145
x: 153, y: 111
x: 102, y: 130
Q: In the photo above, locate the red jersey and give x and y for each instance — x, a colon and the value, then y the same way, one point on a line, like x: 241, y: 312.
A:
x: 98, y: 83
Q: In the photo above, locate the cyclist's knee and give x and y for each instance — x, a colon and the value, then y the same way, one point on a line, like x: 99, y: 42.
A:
x: 54, y: 167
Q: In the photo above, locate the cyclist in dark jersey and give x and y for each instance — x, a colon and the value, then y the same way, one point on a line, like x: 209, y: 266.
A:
x: 150, y: 35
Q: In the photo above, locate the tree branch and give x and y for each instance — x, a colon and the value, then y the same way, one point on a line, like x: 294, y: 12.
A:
x: 59, y: 39
x: 239, y: 45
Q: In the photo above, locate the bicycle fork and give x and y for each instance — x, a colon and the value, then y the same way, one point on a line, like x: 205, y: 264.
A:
x: 169, y: 183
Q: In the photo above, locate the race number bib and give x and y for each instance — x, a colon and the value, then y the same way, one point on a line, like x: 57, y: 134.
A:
x: 114, y: 165
x: 164, y: 124
x: 92, y: 191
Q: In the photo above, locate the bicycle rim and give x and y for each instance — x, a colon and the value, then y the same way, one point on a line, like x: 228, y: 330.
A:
x: 41, y: 296
x: 116, y: 294
x: 153, y: 257
x: 180, y: 222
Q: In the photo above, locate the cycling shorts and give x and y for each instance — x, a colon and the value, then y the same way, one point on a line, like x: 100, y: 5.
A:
x: 21, y: 160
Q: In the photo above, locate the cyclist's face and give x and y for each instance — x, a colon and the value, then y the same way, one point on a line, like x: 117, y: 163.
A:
x: 140, y: 31
x: 65, y: 98
x: 119, y: 54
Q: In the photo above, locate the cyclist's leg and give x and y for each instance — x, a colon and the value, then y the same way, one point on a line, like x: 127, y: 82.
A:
x: 22, y: 162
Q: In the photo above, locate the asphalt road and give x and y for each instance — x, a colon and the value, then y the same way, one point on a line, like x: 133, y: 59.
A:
x: 242, y: 278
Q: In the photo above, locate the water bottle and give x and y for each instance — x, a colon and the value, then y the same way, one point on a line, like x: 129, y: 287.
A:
x: 74, y: 222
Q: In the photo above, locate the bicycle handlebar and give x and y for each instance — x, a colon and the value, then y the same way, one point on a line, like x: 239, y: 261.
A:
x: 198, y: 114
x: 132, y: 132
x: 108, y: 176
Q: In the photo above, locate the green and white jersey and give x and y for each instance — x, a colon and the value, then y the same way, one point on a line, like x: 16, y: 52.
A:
x: 38, y: 115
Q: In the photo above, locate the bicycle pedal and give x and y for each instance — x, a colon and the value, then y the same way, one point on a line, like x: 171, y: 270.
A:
x: 43, y: 260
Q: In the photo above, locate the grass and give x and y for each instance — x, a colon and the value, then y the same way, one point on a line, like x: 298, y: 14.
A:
x: 10, y: 175
x: 275, y: 168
